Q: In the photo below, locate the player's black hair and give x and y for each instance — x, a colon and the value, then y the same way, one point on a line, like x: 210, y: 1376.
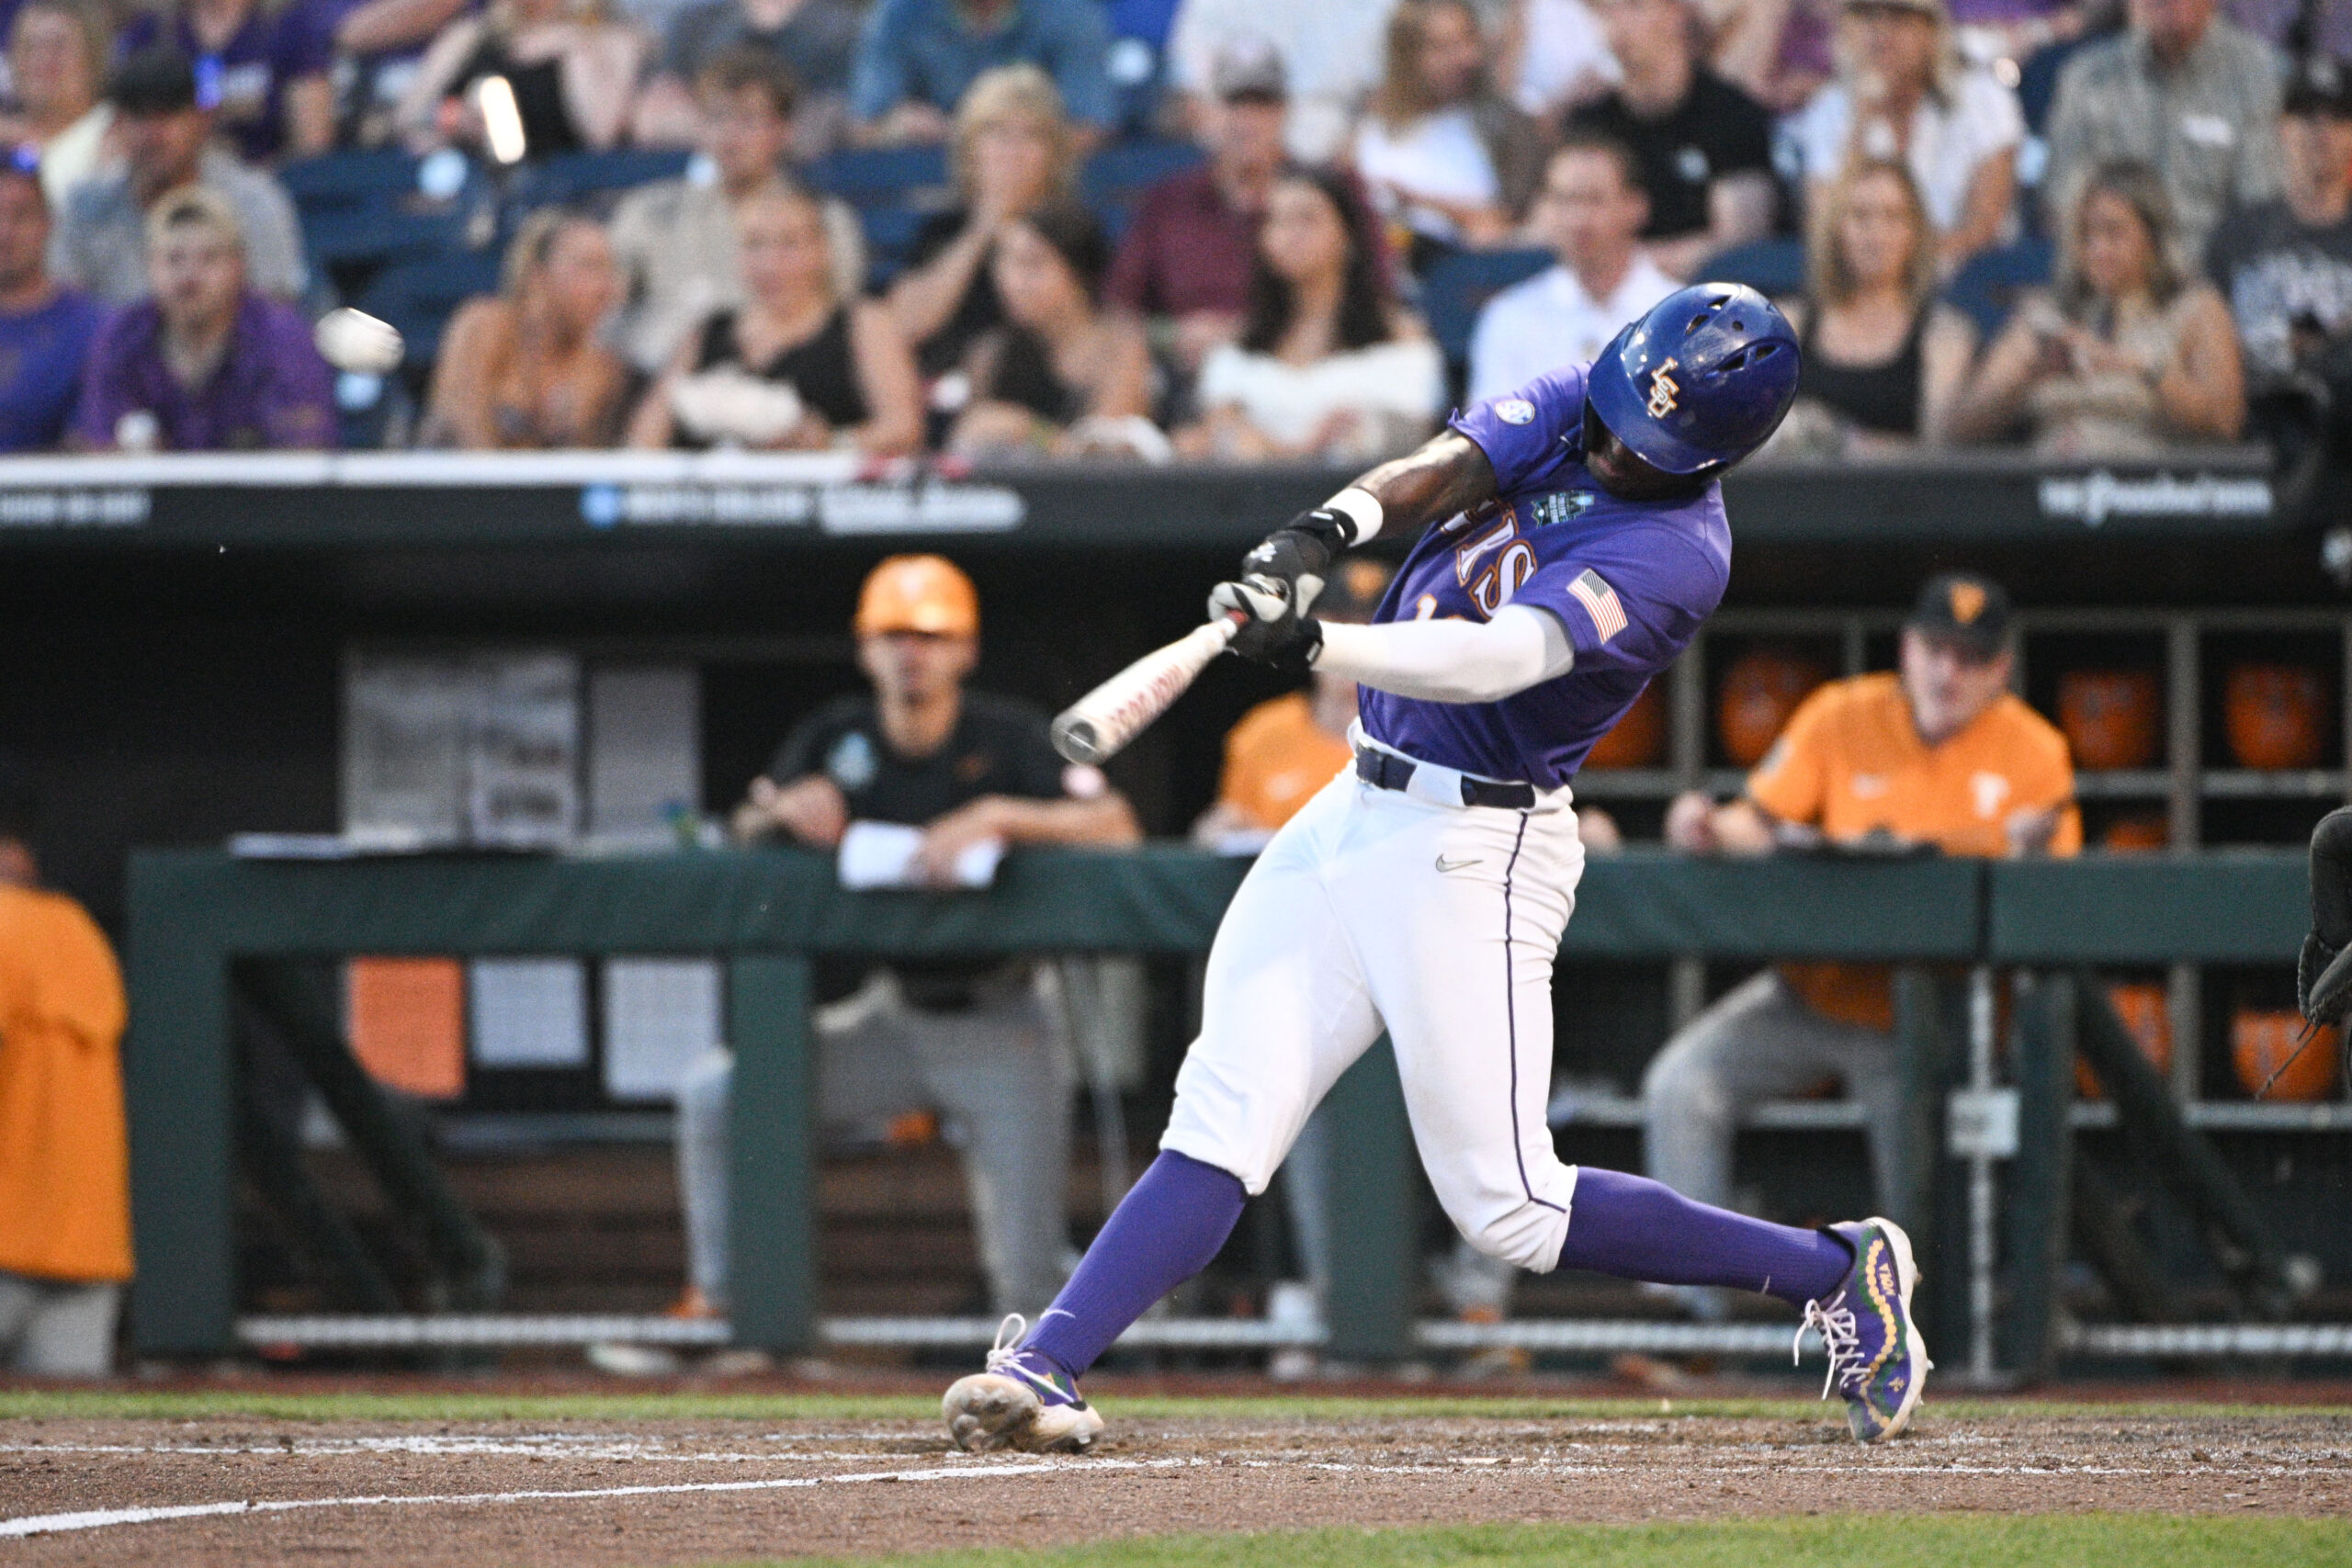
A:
x: 19, y: 800
x: 1364, y: 292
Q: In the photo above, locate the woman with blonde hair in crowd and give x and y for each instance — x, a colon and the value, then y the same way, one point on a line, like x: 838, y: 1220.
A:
x: 1883, y: 363
x: 57, y: 62
x: 1903, y: 96
x: 1013, y: 150
x: 1444, y: 155
x: 523, y: 369
x: 793, y: 367
x: 1060, y: 377
x: 2128, y: 353
x: 1328, y: 365
x: 572, y: 70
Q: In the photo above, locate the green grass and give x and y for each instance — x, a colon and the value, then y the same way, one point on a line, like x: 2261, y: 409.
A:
x: 1945, y: 1541
x: 263, y: 1403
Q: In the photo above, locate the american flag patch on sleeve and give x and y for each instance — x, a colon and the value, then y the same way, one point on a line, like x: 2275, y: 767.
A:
x: 1600, y: 601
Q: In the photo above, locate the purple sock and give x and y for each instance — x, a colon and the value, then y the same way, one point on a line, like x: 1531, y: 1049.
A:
x: 1638, y: 1229
x: 1164, y: 1231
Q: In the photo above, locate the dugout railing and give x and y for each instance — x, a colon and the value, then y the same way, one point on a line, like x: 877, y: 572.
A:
x: 199, y: 920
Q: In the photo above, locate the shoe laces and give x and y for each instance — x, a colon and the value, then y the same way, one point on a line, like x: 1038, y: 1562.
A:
x: 1007, y: 1350
x: 1838, y: 1337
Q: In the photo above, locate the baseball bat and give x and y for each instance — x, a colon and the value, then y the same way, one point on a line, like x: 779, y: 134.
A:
x: 1094, y: 729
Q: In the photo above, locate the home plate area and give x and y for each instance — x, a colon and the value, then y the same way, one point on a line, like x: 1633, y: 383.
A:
x: 248, y: 1493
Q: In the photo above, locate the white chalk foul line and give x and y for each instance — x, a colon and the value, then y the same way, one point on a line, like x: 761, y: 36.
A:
x: 100, y: 1519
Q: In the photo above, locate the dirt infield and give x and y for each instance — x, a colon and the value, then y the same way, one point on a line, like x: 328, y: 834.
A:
x: 590, y: 1491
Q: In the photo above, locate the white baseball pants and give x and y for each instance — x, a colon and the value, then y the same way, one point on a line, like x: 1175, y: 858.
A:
x: 1370, y: 910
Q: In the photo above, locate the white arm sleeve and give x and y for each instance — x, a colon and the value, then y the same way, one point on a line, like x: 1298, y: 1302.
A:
x: 1451, y: 661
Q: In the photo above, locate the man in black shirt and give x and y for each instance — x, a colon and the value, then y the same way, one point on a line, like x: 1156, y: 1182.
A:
x: 1704, y: 147
x: 2285, y: 266
x: 973, y: 1041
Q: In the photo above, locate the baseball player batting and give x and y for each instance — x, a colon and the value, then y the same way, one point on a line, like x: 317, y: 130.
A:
x: 1579, y: 542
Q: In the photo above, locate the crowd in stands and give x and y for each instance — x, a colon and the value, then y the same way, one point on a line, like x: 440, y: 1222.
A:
x: 1210, y: 230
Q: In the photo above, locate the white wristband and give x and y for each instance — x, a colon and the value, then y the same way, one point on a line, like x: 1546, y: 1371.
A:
x: 1361, y: 508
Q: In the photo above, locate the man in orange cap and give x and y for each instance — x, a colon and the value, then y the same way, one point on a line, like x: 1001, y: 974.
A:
x: 1938, y: 753
x: 973, y: 1042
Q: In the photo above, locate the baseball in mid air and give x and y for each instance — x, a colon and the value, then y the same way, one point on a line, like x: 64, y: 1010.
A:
x: 355, y: 341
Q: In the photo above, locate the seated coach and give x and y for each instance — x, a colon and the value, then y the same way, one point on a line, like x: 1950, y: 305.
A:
x: 974, y: 1042
x: 1939, y: 753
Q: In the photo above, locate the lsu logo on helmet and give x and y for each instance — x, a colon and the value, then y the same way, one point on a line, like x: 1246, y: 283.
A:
x: 1663, y: 390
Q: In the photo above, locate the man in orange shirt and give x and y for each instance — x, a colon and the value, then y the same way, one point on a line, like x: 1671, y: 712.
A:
x: 1939, y: 753
x: 1285, y: 750
x: 65, y: 1166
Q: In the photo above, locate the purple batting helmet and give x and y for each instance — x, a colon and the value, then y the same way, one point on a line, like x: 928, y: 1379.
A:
x: 1700, y: 381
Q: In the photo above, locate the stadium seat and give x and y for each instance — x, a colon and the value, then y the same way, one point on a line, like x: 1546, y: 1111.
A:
x: 419, y: 296
x: 1986, y: 286
x: 2038, y: 79
x: 880, y: 176
x: 1458, y: 286
x: 1115, y: 178
x: 344, y: 179
x: 1138, y: 62
x: 575, y: 176
x: 1774, y: 269
x: 385, y: 232
x: 1120, y: 173
x: 357, y: 209
x: 889, y: 239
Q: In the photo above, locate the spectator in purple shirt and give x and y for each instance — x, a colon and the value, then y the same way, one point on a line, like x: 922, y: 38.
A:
x: 205, y: 365
x: 266, y: 75
x: 1184, y: 266
x: 45, y: 331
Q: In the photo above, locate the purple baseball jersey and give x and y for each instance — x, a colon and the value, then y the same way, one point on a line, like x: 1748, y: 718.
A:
x: 1631, y: 581
x: 270, y: 391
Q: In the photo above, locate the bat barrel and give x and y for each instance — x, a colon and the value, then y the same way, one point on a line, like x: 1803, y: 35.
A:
x: 1075, y: 737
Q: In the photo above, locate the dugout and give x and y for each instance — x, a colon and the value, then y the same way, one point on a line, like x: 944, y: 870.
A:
x: 179, y: 629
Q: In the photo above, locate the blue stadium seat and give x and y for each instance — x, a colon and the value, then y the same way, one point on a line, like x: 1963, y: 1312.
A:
x: 875, y: 177
x: 575, y: 176
x: 1774, y: 269
x: 385, y: 232
x: 361, y: 208
x: 1138, y: 62
x: 2038, y: 79
x: 1123, y: 170
x: 348, y: 179
x: 891, y: 234
x: 419, y: 296
x: 1115, y: 178
x: 1986, y: 288
x: 1458, y: 286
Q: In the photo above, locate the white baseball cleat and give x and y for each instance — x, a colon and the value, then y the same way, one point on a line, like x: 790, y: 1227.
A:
x: 1023, y: 1402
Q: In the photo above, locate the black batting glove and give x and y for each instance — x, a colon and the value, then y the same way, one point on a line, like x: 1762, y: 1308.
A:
x: 1289, y: 645
x: 1299, y: 553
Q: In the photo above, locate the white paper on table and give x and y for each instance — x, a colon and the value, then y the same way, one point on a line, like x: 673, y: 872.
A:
x: 660, y: 1014
x: 528, y: 1012
x: 882, y: 855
